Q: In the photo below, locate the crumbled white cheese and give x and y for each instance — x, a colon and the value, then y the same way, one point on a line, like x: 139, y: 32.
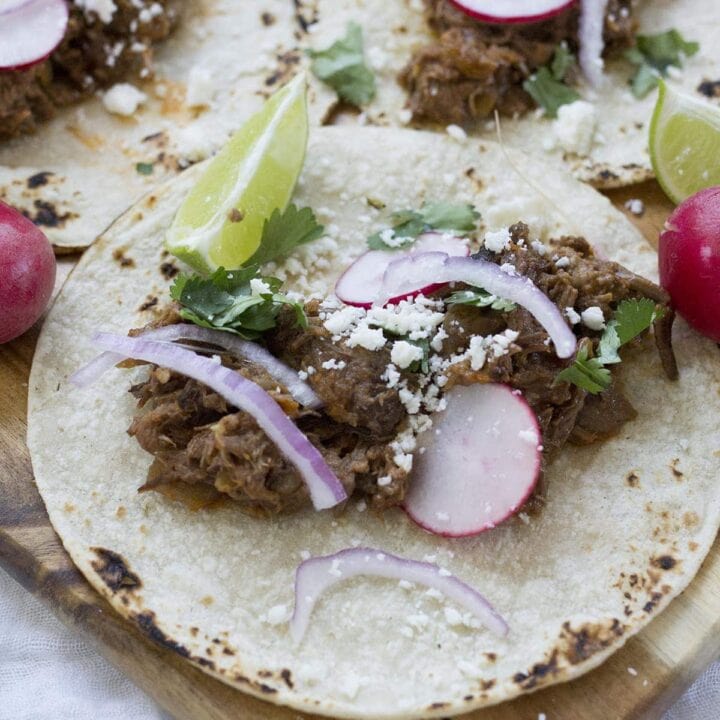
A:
x: 456, y: 132
x: 635, y: 206
x: 632, y: 671
x: 404, y: 354
x: 575, y: 127
x: 572, y: 315
x: 384, y: 481
x: 334, y: 364
x: 529, y: 436
x: 277, y: 615
x: 367, y: 337
x: 391, y: 376
x: 593, y: 318
x: 452, y: 616
x: 200, y: 87
x: 259, y: 287
x: 539, y: 247
x: 193, y: 142
x: 562, y: 262
x: 342, y: 320
x: 405, y: 116
x: 104, y: 9
x: 123, y: 99
x: 497, y: 241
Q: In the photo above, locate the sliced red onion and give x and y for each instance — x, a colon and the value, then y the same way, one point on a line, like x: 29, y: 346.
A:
x: 592, y: 43
x: 512, y: 11
x: 326, y: 491
x: 316, y: 575
x: 408, y: 273
x: 285, y: 375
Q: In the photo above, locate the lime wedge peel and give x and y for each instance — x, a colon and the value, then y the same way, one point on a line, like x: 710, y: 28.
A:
x: 684, y: 143
x: 254, y: 174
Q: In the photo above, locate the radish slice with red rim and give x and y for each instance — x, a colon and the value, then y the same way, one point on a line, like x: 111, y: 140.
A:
x: 30, y: 31
x: 360, y: 284
x: 480, y: 463
x: 317, y: 575
x: 325, y: 489
x: 405, y: 275
x: 512, y: 11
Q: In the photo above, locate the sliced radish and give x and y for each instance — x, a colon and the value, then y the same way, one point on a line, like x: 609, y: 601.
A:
x: 480, y: 463
x: 512, y: 11
x: 30, y: 31
x: 360, y: 284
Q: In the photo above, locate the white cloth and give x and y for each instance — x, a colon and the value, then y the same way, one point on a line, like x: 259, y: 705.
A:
x: 47, y: 672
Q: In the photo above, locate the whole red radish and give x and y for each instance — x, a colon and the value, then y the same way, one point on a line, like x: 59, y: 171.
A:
x: 27, y: 273
x: 689, y: 255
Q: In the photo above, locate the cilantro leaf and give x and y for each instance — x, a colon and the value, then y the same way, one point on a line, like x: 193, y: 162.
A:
x: 227, y: 301
x: 284, y: 231
x: 654, y: 54
x: 547, y: 86
x: 631, y: 318
x: 480, y: 298
x: 144, y: 168
x: 635, y: 316
x: 408, y: 224
x: 342, y: 67
x: 587, y: 373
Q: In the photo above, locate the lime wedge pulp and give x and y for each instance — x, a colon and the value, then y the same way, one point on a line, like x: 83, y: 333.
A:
x: 221, y: 220
x: 684, y: 144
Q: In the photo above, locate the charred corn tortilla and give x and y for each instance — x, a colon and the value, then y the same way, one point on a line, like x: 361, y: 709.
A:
x: 619, y: 153
x: 80, y: 170
x: 625, y: 528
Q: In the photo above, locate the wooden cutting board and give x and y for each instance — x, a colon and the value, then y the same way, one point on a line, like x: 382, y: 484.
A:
x: 640, y: 681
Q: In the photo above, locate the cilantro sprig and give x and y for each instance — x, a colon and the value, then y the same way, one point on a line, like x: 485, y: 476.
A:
x: 342, y: 67
x: 631, y: 318
x: 548, y: 86
x: 476, y: 297
x: 653, y: 55
x: 283, y: 232
x: 228, y: 300
x: 408, y: 224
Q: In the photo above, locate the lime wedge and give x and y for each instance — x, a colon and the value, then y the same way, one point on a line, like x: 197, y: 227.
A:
x: 221, y: 220
x: 684, y: 144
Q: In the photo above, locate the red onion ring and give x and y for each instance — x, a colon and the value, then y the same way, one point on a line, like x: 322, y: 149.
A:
x: 326, y: 491
x: 406, y: 274
x: 285, y: 375
x: 592, y: 43
x: 316, y: 575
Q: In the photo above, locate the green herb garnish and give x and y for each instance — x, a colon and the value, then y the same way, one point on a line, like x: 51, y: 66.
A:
x: 229, y: 301
x: 342, y: 66
x: 548, y: 87
x: 144, y: 168
x: 283, y: 232
x: 653, y: 55
x: 480, y: 298
x: 631, y: 318
x: 408, y: 224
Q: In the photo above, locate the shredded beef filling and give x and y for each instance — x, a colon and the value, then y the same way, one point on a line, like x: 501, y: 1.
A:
x: 92, y: 55
x: 474, y: 68
x: 206, y: 451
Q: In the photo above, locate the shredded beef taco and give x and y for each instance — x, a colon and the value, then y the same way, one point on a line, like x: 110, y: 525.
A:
x: 134, y: 92
x: 434, y: 445
x: 437, y: 65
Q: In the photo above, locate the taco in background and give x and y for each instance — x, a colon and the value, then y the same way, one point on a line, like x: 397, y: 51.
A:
x: 564, y: 582
x: 436, y: 65
x: 135, y: 92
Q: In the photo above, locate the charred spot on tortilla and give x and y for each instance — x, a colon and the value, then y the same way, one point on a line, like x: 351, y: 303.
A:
x: 677, y: 473
x: 633, y: 479
x: 113, y: 570
x: 651, y: 604
x: 150, y: 303
x: 301, y: 17
x: 46, y: 214
x: 286, y: 675
x: 285, y: 69
x: 664, y: 562
x: 122, y: 259
x: 709, y: 88
x: 147, y: 622
x: 39, y: 179
x: 169, y: 270
x: 268, y: 19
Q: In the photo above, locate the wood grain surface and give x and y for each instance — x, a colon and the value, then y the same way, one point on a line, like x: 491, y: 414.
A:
x: 638, y: 683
